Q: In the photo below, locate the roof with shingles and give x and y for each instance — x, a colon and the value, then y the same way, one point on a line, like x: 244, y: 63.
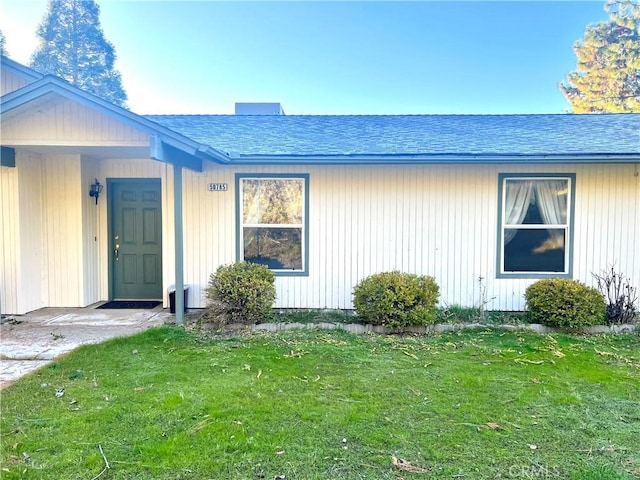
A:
x: 397, y: 135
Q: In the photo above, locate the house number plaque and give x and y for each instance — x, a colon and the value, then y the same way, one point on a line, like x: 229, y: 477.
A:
x: 218, y: 187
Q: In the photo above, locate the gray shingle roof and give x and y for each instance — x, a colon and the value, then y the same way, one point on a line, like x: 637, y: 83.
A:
x: 396, y: 135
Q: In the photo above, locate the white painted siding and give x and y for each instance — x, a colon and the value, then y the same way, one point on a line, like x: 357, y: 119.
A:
x: 10, y: 82
x: 209, y: 233
x: 9, y: 223
x: 436, y: 220
x: 65, y: 122
x: 426, y: 219
x: 608, y: 221
x: 31, y: 246
x: 89, y: 236
x: 42, y: 225
x: 62, y: 230
x: 21, y: 247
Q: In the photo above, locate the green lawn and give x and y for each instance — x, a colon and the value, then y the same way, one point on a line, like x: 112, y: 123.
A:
x: 168, y: 404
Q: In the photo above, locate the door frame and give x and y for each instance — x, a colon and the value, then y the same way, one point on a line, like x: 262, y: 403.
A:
x: 111, y: 182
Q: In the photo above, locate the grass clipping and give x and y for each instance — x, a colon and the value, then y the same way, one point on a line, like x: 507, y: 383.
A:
x: 405, y: 466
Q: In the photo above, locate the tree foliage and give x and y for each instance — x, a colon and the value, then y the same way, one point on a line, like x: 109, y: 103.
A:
x: 3, y: 44
x: 607, y: 76
x: 72, y: 46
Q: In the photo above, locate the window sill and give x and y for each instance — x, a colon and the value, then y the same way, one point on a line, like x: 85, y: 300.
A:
x: 534, y: 275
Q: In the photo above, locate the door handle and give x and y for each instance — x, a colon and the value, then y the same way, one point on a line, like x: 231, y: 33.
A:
x: 116, y: 252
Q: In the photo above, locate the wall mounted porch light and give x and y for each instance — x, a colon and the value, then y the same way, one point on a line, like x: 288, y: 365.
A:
x: 96, y: 190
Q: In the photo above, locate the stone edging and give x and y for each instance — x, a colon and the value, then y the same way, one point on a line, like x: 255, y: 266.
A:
x: 440, y: 328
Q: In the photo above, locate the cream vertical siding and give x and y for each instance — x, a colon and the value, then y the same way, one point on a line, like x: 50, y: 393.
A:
x: 22, y: 251
x: 608, y: 221
x: 427, y: 219
x: 62, y: 230
x: 363, y: 220
x: 68, y: 123
x: 43, y: 221
x: 90, y: 220
x: 31, y: 241
x: 9, y: 240
x: 209, y: 227
x: 10, y: 82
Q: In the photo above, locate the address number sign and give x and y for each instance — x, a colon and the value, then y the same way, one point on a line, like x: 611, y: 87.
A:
x: 218, y: 187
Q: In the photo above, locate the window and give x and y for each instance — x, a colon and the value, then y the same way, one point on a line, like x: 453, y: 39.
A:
x: 535, y: 225
x: 273, y: 221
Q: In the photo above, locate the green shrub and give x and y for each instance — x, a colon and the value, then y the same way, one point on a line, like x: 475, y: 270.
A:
x: 560, y: 302
x: 396, y: 300
x: 242, y: 293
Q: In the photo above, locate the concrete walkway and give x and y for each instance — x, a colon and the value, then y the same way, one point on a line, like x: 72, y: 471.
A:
x: 28, y: 342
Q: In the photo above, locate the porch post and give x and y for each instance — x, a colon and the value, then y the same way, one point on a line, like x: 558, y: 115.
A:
x: 178, y: 228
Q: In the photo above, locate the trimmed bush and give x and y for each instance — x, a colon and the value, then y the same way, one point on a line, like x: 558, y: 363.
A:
x: 396, y: 300
x: 560, y: 302
x: 242, y: 292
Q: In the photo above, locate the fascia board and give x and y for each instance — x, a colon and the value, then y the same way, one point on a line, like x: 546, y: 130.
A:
x: 430, y: 159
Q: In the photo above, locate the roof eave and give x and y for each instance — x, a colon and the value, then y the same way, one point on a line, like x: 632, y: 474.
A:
x: 377, y: 159
x: 208, y: 153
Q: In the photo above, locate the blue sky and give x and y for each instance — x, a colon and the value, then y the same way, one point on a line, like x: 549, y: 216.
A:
x: 334, y: 57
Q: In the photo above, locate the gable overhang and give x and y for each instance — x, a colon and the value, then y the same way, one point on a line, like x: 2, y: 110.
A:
x: 165, y: 145
x: 20, y: 70
x: 433, y: 159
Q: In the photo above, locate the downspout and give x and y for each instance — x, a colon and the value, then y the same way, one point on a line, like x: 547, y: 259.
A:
x: 179, y: 253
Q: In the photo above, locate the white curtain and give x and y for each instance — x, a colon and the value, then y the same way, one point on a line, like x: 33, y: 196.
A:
x: 552, y: 203
x: 517, y: 199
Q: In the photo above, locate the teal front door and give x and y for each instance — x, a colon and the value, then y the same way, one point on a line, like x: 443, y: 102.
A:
x: 135, y: 239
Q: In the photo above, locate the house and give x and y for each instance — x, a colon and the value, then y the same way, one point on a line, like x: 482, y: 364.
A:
x: 486, y: 204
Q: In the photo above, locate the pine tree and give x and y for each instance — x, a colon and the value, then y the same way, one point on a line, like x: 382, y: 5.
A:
x: 3, y: 44
x: 607, y: 77
x: 73, y: 47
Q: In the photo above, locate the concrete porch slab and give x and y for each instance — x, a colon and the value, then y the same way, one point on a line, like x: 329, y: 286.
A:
x: 31, y: 341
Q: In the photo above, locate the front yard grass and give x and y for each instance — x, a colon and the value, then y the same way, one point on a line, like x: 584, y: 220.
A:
x: 169, y: 404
